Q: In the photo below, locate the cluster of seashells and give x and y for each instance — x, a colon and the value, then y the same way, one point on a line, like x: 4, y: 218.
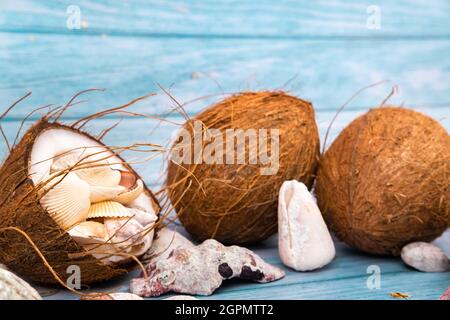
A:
x: 97, y: 206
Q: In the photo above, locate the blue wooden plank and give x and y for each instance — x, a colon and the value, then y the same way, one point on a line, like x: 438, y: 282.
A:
x: 200, y: 48
x: 222, y: 18
x: 54, y: 67
x: 345, y: 278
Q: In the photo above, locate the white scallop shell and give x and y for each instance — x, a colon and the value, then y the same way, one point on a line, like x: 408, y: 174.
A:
x: 100, y: 174
x: 87, y: 167
x: 103, y: 193
x: 108, y: 209
x: 88, y: 232
x: 129, y: 196
x: 67, y: 200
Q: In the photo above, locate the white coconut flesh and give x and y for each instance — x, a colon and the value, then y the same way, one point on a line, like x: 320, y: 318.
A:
x: 54, y: 142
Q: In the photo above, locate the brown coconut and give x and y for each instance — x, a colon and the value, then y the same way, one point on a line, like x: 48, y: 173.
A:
x: 235, y: 203
x: 385, y: 181
x: 20, y: 208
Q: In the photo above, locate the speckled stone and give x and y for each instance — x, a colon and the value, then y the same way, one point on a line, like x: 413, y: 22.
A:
x: 200, y: 270
x: 445, y: 295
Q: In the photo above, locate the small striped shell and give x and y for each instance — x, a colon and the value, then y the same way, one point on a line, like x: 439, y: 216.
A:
x: 108, y: 209
x: 67, y: 200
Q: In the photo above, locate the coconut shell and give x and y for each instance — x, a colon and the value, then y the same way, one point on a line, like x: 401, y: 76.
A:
x: 235, y: 203
x: 20, y: 208
x: 385, y: 181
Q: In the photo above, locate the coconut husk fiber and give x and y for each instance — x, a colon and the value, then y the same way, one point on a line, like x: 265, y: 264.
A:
x: 235, y: 203
x: 20, y: 208
x: 385, y: 181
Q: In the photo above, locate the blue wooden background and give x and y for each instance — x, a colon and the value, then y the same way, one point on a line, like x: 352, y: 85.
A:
x: 322, y: 51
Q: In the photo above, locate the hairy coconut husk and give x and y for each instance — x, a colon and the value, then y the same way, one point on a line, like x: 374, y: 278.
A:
x: 384, y: 182
x: 235, y: 203
x: 20, y: 208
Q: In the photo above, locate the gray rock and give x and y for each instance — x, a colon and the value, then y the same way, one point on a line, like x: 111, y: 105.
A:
x: 425, y: 257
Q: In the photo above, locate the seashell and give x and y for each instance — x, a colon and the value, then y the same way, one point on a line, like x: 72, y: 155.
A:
x: 95, y: 172
x: 128, y: 179
x: 165, y: 242
x: 129, y: 196
x: 67, y: 160
x: 103, y: 193
x: 122, y: 237
x: 100, y: 174
x: 88, y: 232
x: 304, y: 242
x: 138, y: 249
x: 124, y: 231
x: 111, y: 296
x: 145, y: 218
x: 105, y: 252
x: 181, y: 297
x: 124, y: 296
x: 108, y: 209
x: 67, y: 200
x: 14, y: 288
x: 129, y: 235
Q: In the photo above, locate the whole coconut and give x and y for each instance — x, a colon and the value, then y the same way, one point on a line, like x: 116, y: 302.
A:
x: 235, y: 203
x: 385, y: 181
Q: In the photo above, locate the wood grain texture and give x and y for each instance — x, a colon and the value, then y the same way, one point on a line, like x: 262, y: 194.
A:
x: 231, y: 19
x: 321, y: 51
x: 344, y: 278
x: 327, y: 73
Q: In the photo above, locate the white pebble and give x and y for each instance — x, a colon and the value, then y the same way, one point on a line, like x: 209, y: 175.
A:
x: 124, y: 296
x: 304, y: 242
x: 425, y: 257
x: 181, y: 297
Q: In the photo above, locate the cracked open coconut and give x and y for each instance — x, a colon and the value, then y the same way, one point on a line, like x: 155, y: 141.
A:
x: 77, y: 201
